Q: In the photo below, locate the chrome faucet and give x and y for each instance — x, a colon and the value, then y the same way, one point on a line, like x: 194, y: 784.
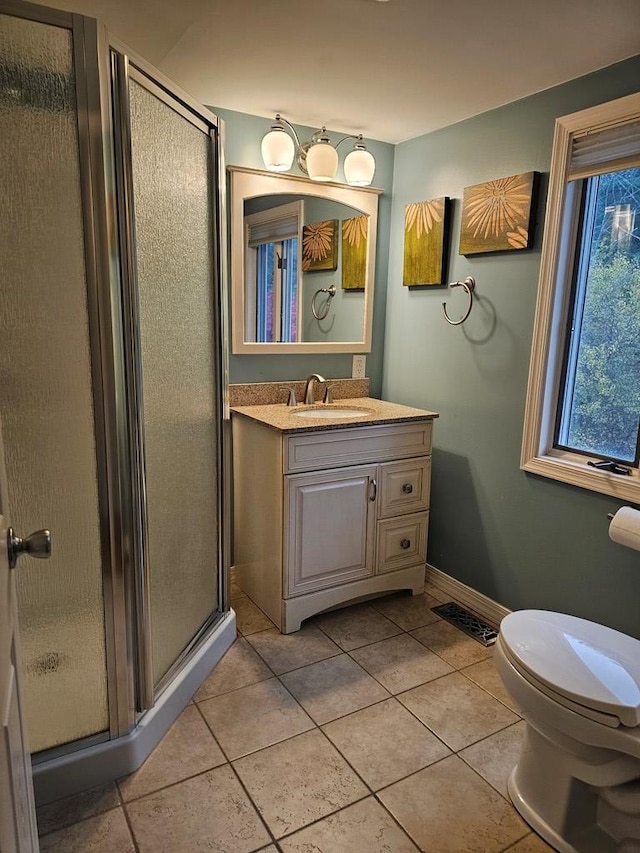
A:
x: 309, y: 396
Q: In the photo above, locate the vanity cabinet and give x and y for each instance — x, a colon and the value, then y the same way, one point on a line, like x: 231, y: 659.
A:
x: 324, y: 517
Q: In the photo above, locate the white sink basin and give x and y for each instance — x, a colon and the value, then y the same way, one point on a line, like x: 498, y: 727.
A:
x: 330, y: 413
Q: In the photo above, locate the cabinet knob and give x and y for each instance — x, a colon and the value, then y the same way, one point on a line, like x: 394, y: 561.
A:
x: 407, y: 488
x: 373, y: 489
x: 405, y: 543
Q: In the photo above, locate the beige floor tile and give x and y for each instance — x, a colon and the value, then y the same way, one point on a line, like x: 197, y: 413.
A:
x: 284, y: 652
x: 408, y: 611
x: 401, y: 663
x: 356, y: 626
x: 332, y: 688
x: 254, y: 717
x: 486, y: 675
x: 235, y: 591
x: 495, y: 757
x: 249, y: 617
x: 208, y: 812
x: 530, y: 844
x: 239, y: 667
x: 449, y: 809
x: 385, y: 743
x: 70, y: 810
x: 457, y: 710
x: 299, y: 781
x: 105, y: 833
x: 365, y: 826
x: 451, y: 644
x: 187, y: 749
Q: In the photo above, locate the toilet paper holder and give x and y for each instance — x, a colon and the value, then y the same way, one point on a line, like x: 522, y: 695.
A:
x: 624, y: 527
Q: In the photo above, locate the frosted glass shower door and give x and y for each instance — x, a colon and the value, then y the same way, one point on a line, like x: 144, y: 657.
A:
x: 174, y: 206
x: 46, y: 393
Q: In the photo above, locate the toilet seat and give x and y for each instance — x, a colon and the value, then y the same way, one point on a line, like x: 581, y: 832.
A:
x: 587, y: 667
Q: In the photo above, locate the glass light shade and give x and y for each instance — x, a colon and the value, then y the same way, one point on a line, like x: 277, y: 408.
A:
x: 322, y: 162
x: 359, y: 167
x: 277, y: 150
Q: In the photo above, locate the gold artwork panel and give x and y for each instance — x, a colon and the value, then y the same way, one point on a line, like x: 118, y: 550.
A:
x: 424, y: 242
x: 355, y: 234
x: 497, y: 216
x: 320, y: 246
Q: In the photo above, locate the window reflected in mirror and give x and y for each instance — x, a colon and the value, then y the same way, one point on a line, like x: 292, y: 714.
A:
x: 273, y: 273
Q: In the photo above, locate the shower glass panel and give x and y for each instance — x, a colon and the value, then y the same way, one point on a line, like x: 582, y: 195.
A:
x: 46, y: 386
x: 173, y: 200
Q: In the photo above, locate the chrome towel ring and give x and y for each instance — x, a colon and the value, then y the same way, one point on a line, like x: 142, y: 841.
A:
x: 327, y: 305
x: 469, y: 285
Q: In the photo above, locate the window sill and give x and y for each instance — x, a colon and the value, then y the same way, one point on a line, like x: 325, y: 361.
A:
x: 573, y: 470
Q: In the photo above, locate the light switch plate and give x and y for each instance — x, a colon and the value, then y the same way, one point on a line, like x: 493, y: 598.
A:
x: 359, y: 366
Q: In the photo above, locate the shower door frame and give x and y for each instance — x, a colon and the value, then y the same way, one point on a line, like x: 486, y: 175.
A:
x: 126, y: 67
x: 118, y: 463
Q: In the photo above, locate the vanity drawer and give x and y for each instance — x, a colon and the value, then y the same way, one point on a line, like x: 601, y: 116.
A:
x: 313, y: 451
x: 401, y: 542
x: 404, y: 487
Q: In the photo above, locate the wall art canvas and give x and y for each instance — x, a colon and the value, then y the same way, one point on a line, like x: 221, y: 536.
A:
x: 320, y: 246
x: 424, y: 242
x: 497, y: 216
x: 355, y: 235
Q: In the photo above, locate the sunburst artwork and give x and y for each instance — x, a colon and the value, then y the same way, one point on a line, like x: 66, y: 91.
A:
x: 497, y: 215
x: 424, y: 240
x: 320, y: 246
x: 355, y: 235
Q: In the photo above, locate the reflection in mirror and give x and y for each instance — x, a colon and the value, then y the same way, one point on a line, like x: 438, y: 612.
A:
x: 302, y: 264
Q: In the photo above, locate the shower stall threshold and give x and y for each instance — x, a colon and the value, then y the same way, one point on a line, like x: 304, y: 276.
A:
x: 101, y: 763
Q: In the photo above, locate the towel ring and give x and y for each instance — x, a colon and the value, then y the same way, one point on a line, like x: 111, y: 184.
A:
x: 327, y: 306
x: 469, y: 285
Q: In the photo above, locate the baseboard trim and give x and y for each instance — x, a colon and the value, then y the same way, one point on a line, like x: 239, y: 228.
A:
x: 480, y: 604
x: 103, y: 762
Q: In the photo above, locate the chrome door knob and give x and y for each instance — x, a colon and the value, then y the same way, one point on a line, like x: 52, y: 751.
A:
x: 38, y: 545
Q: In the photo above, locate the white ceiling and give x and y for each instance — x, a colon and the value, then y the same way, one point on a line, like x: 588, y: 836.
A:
x: 389, y: 70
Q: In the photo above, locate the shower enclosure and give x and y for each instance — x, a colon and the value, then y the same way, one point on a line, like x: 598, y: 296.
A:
x: 112, y: 390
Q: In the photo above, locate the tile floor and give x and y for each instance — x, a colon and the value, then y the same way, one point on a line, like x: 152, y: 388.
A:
x: 375, y: 728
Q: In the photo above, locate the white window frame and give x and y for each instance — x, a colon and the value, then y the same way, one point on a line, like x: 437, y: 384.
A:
x: 554, y: 291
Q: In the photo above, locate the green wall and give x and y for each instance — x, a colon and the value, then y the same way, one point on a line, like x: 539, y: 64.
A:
x: 243, y: 135
x: 521, y: 539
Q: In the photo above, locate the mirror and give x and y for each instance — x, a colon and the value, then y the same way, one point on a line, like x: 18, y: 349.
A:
x: 302, y: 264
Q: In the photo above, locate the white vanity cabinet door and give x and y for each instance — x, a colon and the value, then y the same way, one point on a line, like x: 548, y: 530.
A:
x: 329, y: 527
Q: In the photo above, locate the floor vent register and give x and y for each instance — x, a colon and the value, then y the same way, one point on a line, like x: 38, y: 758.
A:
x: 467, y: 622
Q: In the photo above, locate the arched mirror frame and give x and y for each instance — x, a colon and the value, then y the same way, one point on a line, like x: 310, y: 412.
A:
x: 249, y: 183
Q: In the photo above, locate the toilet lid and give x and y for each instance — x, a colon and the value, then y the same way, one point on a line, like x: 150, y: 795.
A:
x: 589, y: 664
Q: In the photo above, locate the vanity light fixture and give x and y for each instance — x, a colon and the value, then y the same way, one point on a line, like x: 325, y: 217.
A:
x: 317, y: 158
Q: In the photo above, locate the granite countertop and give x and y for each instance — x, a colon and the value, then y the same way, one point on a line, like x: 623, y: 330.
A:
x: 281, y: 417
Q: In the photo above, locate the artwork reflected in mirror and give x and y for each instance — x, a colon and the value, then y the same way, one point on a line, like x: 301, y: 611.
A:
x: 320, y: 246
x: 355, y: 233
x: 291, y: 253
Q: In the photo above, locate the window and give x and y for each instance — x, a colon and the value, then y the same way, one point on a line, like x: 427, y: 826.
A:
x: 582, y: 419
x: 273, y: 274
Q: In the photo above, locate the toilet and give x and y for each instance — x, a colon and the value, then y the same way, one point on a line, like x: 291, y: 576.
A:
x: 577, y: 782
